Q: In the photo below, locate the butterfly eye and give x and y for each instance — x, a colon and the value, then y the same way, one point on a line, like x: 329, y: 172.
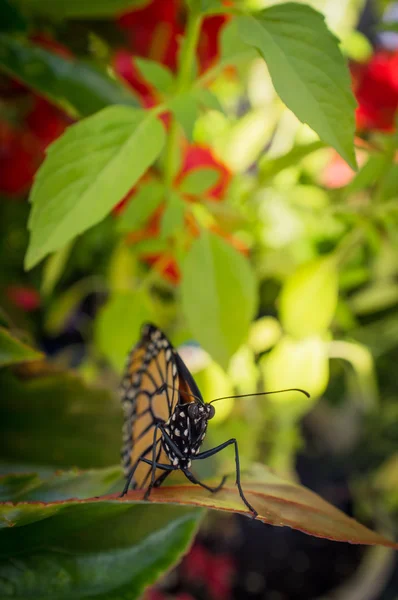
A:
x: 211, y: 411
x: 193, y: 411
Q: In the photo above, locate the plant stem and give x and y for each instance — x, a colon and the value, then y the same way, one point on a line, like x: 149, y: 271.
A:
x: 170, y: 155
x: 188, y: 51
x: 348, y: 244
x: 183, y: 82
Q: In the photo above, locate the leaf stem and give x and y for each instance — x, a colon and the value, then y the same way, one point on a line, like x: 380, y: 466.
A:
x: 183, y: 82
x: 389, y: 155
x: 348, y: 244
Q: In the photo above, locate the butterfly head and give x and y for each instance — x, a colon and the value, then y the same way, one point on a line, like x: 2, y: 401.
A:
x: 199, y: 412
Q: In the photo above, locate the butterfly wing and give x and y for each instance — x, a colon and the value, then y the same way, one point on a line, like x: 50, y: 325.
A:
x: 151, y: 366
x: 187, y: 385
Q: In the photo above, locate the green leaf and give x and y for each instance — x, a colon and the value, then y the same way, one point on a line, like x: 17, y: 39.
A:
x: 374, y: 298
x: 208, y: 99
x: 118, y: 325
x: 199, y: 181
x: 173, y: 216
x: 87, y: 172
x: 78, y: 9
x: 79, y: 88
x: 186, y: 110
x: 141, y: 206
x: 206, y: 6
x: 309, y: 298
x: 13, y: 351
x: 54, y: 418
x: 308, y: 70
x: 79, y: 549
x: 232, y: 45
x: 367, y: 175
x: 159, y: 76
x: 219, y: 296
x: 10, y: 18
x: 296, y: 364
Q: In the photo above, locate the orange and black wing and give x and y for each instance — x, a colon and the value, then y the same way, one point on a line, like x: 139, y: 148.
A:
x: 151, y: 366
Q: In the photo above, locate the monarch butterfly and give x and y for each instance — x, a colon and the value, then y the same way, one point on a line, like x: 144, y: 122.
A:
x: 165, y: 417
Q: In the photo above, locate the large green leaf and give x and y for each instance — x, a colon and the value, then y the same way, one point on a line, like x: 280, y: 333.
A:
x: 51, y: 417
x: 308, y: 70
x: 218, y: 296
x: 79, y: 88
x: 12, y: 350
x: 278, y: 502
x: 78, y: 9
x: 63, y: 550
x: 87, y: 171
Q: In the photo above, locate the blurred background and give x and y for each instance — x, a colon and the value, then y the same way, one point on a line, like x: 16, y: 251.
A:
x: 323, y: 243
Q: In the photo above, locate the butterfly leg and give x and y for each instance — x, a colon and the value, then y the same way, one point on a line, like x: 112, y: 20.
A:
x: 193, y: 479
x: 129, y: 479
x: 213, y: 451
x: 153, y: 470
x: 160, y: 466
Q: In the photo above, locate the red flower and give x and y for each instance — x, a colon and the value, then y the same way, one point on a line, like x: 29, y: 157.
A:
x: 26, y: 298
x: 46, y: 122
x: 165, y: 264
x: 154, y: 32
x: 22, y: 149
x: 376, y: 89
x: 18, y: 160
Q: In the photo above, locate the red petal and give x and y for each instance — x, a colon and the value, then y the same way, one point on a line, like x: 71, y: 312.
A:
x: 26, y: 298
x: 20, y: 157
x: 376, y: 89
x: 46, y: 122
x: 168, y: 267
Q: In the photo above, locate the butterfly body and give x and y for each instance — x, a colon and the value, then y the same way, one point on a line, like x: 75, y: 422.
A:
x: 186, y: 429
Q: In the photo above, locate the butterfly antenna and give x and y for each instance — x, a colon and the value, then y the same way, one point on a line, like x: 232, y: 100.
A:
x: 263, y: 394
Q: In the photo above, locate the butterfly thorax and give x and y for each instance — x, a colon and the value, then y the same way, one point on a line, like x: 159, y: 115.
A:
x: 186, y: 428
